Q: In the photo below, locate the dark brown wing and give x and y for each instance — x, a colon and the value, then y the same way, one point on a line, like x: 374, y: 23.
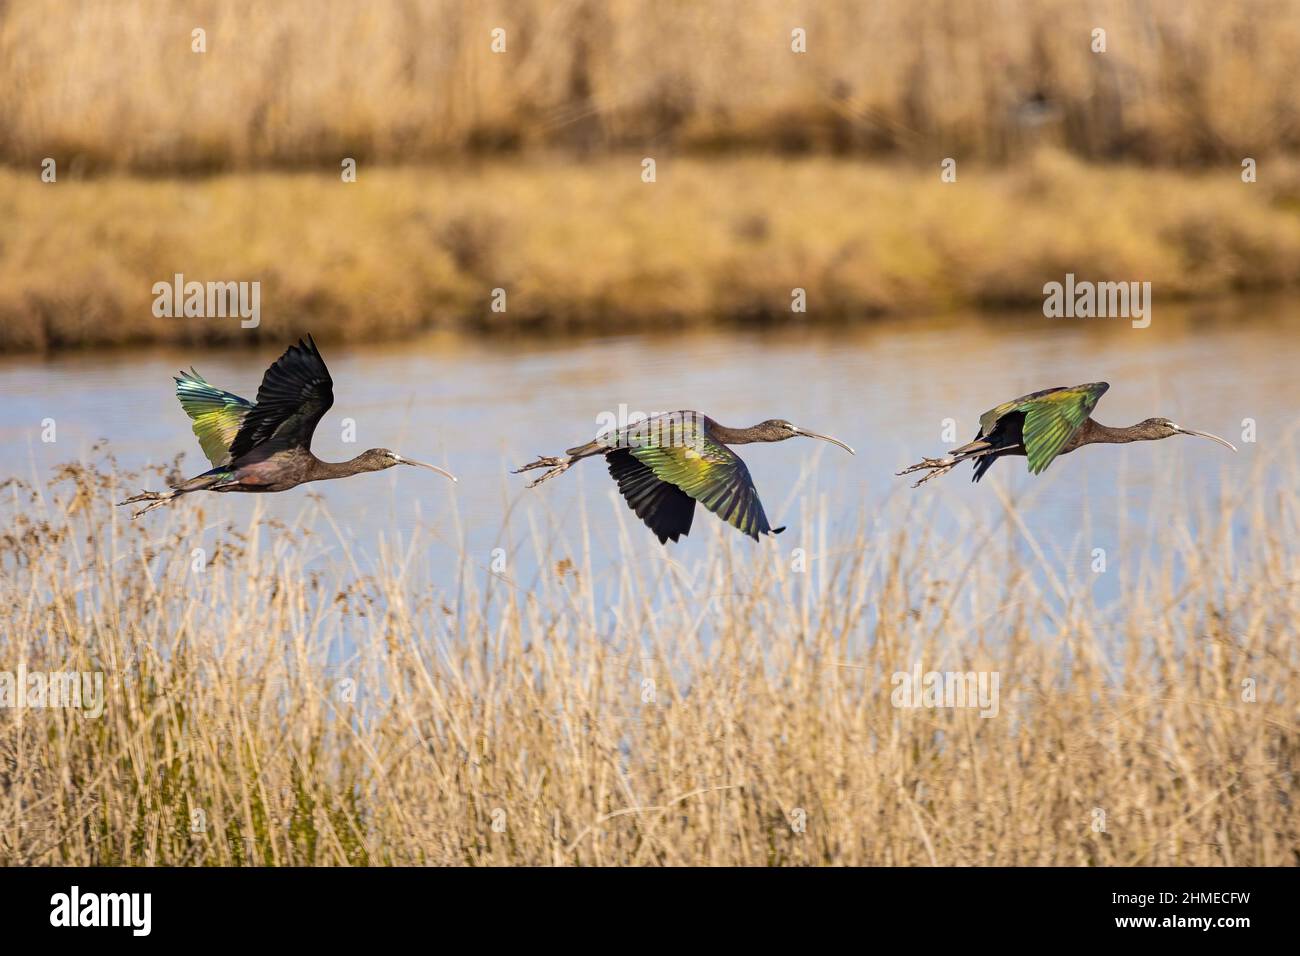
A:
x: 665, y: 508
x: 295, y: 394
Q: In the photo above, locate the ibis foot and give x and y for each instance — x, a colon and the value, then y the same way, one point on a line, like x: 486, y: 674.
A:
x: 557, y: 465
x: 935, y: 466
x: 156, y: 499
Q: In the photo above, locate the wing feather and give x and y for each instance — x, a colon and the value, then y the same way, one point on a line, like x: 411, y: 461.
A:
x: 1052, y: 419
x: 295, y: 394
x: 216, y: 413
x: 707, y: 471
x: 665, y: 508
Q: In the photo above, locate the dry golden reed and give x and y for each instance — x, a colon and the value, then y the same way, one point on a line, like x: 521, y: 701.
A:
x: 299, y: 703
x: 591, y: 247
x: 521, y: 170
x: 106, y: 85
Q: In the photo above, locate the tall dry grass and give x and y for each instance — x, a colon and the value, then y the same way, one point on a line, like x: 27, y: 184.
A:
x: 504, y: 720
x: 104, y: 85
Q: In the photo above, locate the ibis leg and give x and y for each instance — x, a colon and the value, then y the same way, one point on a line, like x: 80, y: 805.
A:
x: 156, y: 499
x: 557, y: 466
x: 941, y: 466
x: 935, y: 466
x: 217, y: 480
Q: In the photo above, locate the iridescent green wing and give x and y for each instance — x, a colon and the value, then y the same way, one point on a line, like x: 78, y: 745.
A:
x: 217, y: 414
x: 989, y: 420
x: 1052, y: 416
x: 707, y: 470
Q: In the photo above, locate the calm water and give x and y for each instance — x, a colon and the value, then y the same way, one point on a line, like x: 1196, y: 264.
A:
x: 885, y: 388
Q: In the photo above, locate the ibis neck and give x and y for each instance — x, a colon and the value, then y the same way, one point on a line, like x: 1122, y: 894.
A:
x: 323, y: 470
x: 733, y: 436
x: 1095, y: 433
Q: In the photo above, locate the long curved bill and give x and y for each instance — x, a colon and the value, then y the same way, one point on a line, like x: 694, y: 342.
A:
x: 422, y: 464
x: 833, y: 441
x: 1221, y: 441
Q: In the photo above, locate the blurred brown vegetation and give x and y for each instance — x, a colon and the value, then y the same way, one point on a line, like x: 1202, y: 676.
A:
x: 106, y: 85
x: 521, y: 171
x: 589, y: 247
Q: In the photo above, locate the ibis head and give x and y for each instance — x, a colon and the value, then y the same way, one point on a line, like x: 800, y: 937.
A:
x: 1157, y: 428
x: 778, y: 429
x: 377, y: 459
